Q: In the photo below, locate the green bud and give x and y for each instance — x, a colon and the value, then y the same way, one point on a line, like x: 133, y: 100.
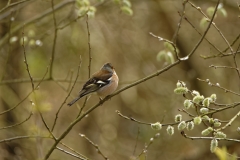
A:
x: 204, y: 110
x: 205, y: 118
x: 197, y: 120
x: 178, y: 118
x: 91, y: 11
x: 211, y: 121
x: 198, y: 99
x: 31, y: 33
x: 181, y: 90
x: 13, y: 39
x: 220, y: 135
x: 156, y: 126
x: 213, y: 97
x: 238, y: 130
x: 157, y: 135
x: 32, y: 43
x: 170, y: 130
x: 182, y: 125
x: 187, y: 103
x: 151, y: 140
x: 181, y: 84
x: 25, y: 40
x: 195, y: 93
x: 39, y: 42
x: 206, y: 102
x: 213, y: 145
x: 217, y: 123
x: 190, y: 125
x: 206, y: 132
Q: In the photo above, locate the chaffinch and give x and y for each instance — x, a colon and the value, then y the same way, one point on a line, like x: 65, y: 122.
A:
x: 104, y: 82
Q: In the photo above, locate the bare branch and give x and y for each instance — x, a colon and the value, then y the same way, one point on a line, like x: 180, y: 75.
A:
x: 94, y: 145
x: 69, y: 153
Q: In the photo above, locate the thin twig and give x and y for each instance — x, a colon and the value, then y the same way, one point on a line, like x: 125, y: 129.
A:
x: 230, y: 122
x: 144, y: 151
x: 174, y: 39
x: 69, y: 153
x: 70, y: 84
x: 89, y: 65
x: 42, y: 118
x: 219, y: 55
x: 208, y: 138
x: 185, y: 111
x: 234, y: 41
x: 227, y: 67
x: 27, y: 95
x: 25, y: 60
x: 56, y: 117
x: 14, y: 81
x: 23, y: 137
x: 204, y: 34
x: 74, y: 151
x: 35, y: 19
x: 135, y: 147
x: 9, y: 4
x: 236, y: 65
x: 54, y: 39
x: 132, y: 119
x: 89, y: 49
x: 217, y: 85
x: 170, y: 42
x: 70, y: 22
x: 204, y: 37
x: 215, y: 26
x: 83, y: 106
x: 94, y: 145
x: 17, y: 124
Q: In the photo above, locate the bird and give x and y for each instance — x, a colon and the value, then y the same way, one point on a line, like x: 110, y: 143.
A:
x: 104, y: 82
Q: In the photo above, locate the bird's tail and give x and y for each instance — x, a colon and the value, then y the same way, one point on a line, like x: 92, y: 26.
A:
x: 73, y: 101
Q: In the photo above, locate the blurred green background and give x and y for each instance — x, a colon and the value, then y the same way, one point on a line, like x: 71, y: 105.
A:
x: 124, y: 40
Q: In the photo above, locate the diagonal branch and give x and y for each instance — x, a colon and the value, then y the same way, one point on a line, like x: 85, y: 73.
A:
x: 68, y: 129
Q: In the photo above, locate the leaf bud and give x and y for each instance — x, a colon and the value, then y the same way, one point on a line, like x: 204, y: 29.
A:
x: 156, y: 126
x: 182, y: 125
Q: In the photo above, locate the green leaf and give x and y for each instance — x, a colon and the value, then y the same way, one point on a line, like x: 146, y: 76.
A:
x: 127, y: 10
x: 210, y: 11
x: 223, y: 12
x: 117, y: 1
x: 82, y: 3
x: 169, y: 57
x: 203, y: 22
x: 168, y: 46
x: 161, y: 55
x: 127, y: 3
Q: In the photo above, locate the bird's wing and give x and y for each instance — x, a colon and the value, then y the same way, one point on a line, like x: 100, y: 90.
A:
x: 95, y: 83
